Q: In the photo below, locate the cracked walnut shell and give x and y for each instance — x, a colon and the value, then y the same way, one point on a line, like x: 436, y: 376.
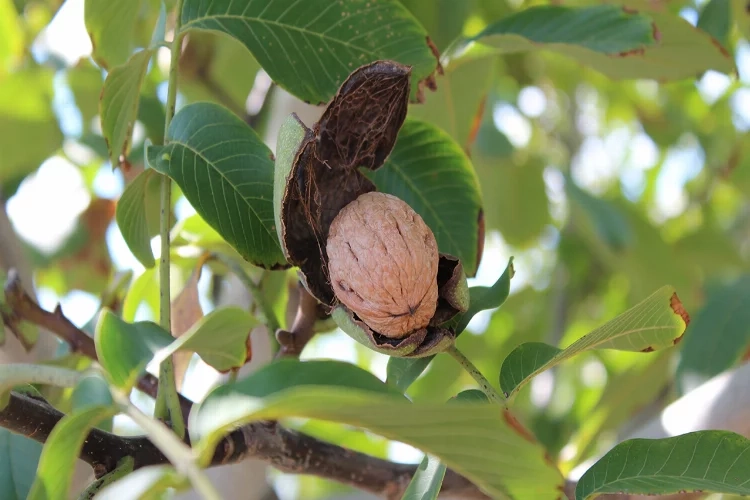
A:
x: 383, y: 264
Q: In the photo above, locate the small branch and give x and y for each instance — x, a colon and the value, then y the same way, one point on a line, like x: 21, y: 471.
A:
x: 167, y: 402
x: 254, y: 288
x: 24, y: 308
x: 484, y: 384
x: 286, y: 450
x: 293, y: 342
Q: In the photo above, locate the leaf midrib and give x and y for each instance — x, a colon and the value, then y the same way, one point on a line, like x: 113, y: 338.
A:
x: 567, y: 353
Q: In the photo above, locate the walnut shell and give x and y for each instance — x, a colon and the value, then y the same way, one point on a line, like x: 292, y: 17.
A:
x: 383, y: 264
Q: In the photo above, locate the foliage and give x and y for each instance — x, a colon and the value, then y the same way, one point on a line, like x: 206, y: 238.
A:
x: 586, y: 163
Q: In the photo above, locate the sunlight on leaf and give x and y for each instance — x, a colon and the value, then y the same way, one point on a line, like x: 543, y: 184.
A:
x: 656, y: 323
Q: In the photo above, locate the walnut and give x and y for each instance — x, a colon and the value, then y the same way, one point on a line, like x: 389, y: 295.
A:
x: 383, y: 264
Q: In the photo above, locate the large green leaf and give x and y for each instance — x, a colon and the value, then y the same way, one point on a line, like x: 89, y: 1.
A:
x: 459, y: 99
x: 719, y: 334
x: 28, y: 128
x: 111, y: 26
x: 137, y: 215
x: 118, y: 106
x: 657, y: 322
x: 480, y: 441
x: 226, y: 172
x: 615, y: 41
x: 443, y: 19
x: 309, y: 48
x: 706, y: 461
x: 430, y: 172
x: 59, y: 456
x: 19, y: 457
x: 425, y: 485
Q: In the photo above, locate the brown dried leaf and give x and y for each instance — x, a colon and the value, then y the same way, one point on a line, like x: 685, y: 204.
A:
x: 186, y: 311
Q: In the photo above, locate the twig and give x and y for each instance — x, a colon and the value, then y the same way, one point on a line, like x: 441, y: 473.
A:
x: 287, y: 450
x: 484, y: 384
x: 24, y: 308
x: 167, y: 402
x: 293, y: 341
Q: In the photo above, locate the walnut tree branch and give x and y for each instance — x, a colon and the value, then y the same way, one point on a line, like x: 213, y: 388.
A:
x: 293, y: 341
x: 288, y: 450
x: 285, y: 449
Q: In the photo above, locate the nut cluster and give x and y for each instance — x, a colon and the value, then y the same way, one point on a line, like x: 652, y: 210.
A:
x: 383, y: 264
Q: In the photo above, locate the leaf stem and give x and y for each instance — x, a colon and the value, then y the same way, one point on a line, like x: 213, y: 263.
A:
x: 254, y: 288
x: 484, y: 384
x: 167, y: 400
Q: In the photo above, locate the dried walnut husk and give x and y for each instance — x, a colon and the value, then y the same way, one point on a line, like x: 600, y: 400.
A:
x: 383, y: 263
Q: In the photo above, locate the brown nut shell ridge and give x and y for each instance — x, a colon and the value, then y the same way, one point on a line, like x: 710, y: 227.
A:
x: 383, y: 264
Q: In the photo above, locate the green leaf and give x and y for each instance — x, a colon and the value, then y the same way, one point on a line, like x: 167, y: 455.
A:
x: 111, y: 26
x: 137, y: 215
x: 471, y: 396
x: 145, y: 288
x: 741, y: 16
x: 147, y: 483
x: 425, y: 485
x: 491, y: 451
x: 657, y: 322
x: 443, y: 19
x: 124, y: 349
x: 29, y: 133
x: 430, y: 172
x: 487, y: 297
x: 402, y: 372
x: 606, y: 29
x: 706, y: 461
x: 309, y: 48
x: 287, y: 373
x: 11, y: 37
x: 118, y: 105
x: 607, y: 38
x: 510, y: 188
x: 60, y: 453
x: 608, y: 223
x: 19, y: 457
x: 716, y: 20
x: 226, y: 172
x: 85, y: 81
x: 220, y: 338
x: 719, y: 334
x: 460, y: 96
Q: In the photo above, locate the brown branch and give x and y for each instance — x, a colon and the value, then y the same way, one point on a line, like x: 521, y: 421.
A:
x: 292, y: 342
x: 288, y: 450
x: 285, y: 449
